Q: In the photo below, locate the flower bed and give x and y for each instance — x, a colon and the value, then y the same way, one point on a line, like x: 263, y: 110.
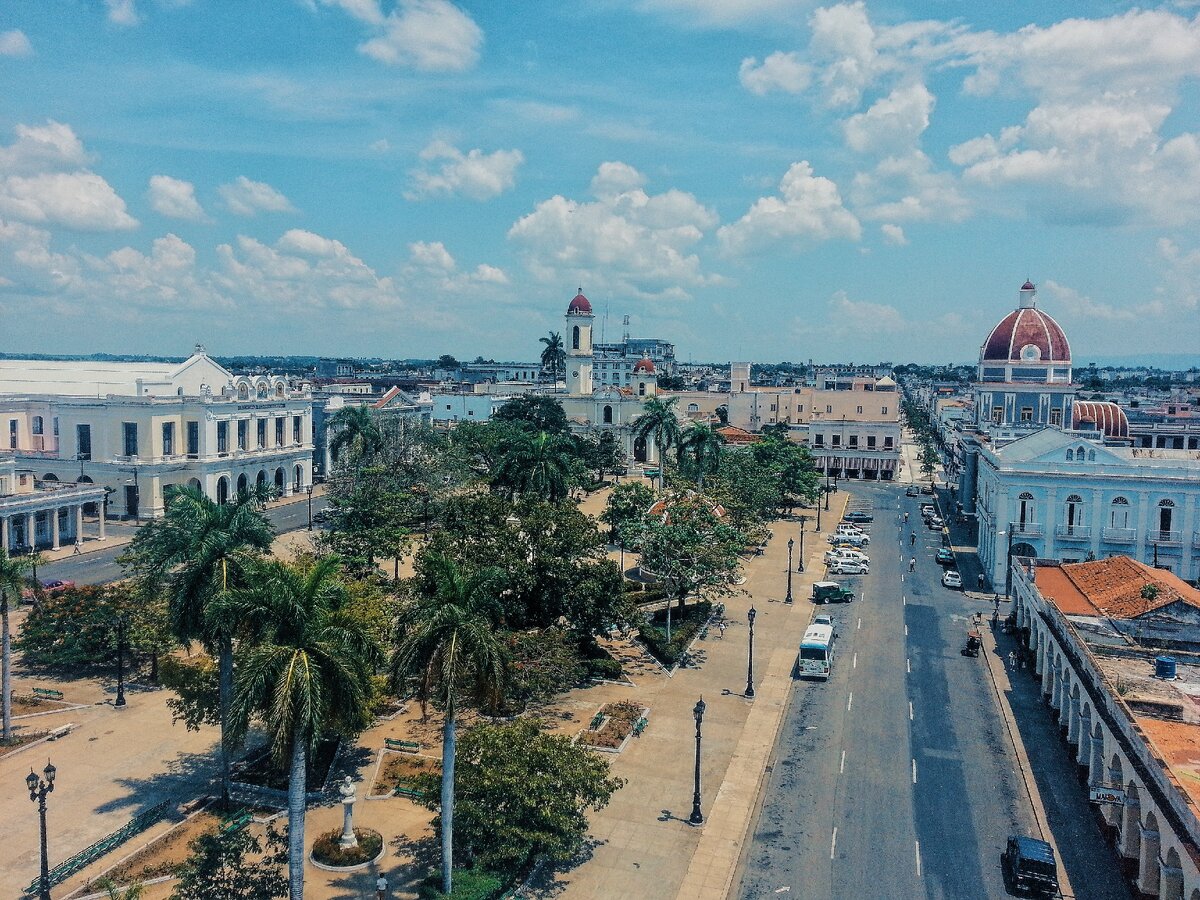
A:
x: 328, y: 852
x: 612, y: 725
x: 400, y: 770
x: 20, y: 739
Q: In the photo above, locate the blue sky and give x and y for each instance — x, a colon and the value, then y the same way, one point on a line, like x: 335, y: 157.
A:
x: 760, y: 179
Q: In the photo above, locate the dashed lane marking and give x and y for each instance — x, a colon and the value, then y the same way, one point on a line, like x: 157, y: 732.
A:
x: 910, y: 711
x: 842, y: 767
x: 854, y: 662
x: 908, y: 666
x: 833, y: 844
x: 850, y: 701
x: 914, y: 771
x: 918, y: 859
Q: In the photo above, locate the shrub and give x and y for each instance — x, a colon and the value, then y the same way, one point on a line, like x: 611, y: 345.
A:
x: 469, y: 884
x: 327, y: 851
x: 605, y: 667
x: 685, y: 625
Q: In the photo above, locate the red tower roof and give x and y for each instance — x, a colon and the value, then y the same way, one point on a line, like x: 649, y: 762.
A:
x: 1023, y: 328
x: 580, y: 306
x: 644, y: 366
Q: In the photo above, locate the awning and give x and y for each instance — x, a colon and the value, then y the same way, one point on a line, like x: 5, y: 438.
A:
x: 887, y: 465
x: 870, y: 464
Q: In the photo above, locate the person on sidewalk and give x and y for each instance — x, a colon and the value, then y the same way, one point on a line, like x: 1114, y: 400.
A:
x: 906, y: 518
x: 980, y: 581
x: 381, y: 886
x: 912, y: 538
x: 912, y: 564
x: 1012, y: 660
x: 78, y: 551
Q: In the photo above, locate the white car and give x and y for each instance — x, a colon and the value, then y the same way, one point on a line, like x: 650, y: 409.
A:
x: 850, y: 567
x: 849, y: 537
x: 845, y: 553
x: 951, y: 579
x: 848, y: 526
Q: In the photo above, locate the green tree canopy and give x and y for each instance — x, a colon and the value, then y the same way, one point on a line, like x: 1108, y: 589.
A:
x: 535, y: 413
x: 691, y: 548
x: 354, y: 428
x: 626, y: 509
x: 233, y: 865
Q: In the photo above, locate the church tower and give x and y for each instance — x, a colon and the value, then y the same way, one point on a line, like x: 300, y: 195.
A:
x: 579, y: 346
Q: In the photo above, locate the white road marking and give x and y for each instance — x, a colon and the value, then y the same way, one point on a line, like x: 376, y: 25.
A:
x: 906, y: 630
x: 850, y: 701
x: 908, y: 666
x: 918, y: 859
x: 910, y: 711
x: 904, y: 598
x: 914, y: 771
x: 854, y: 662
x: 833, y: 844
x: 842, y: 767
x: 859, y: 625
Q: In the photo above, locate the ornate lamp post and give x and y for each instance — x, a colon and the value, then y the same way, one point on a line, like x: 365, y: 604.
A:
x: 308, y: 489
x: 827, y: 492
x: 788, y: 598
x: 800, y: 564
x: 750, y: 659
x: 697, y: 817
x: 121, y: 624
x: 38, y: 789
x: 818, y: 529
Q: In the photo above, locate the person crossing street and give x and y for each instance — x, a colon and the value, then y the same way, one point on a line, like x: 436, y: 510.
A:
x: 912, y: 564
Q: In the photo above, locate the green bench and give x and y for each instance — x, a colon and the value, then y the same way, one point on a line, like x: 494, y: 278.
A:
x: 47, y: 694
x: 400, y: 791
x: 236, y: 822
x: 596, y: 720
x: 640, y: 726
x: 402, y: 746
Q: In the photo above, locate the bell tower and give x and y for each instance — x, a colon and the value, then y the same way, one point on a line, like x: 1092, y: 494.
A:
x: 579, y: 346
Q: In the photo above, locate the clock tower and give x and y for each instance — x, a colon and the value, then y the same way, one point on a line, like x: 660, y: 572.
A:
x: 579, y: 346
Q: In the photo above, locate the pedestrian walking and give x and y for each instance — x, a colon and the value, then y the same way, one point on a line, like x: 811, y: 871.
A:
x: 996, y: 603
x: 912, y: 564
x: 721, y: 628
x: 381, y: 886
x: 77, y: 551
x: 912, y: 539
x: 906, y: 518
x: 1012, y: 659
x: 979, y: 581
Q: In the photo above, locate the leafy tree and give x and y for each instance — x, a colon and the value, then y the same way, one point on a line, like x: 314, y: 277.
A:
x: 671, y: 383
x: 12, y: 581
x: 659, y: 424
x: 354, y: 428
x: 792, y: 465
x: 202, y: 551
x: 538, y: 465
x: 627, y: 506
x: 368, y: 513
x: 197, y: 699
x: 447, y: 643
x: 929, y: 459
x: 309, y: 675
x: 602, y: 453
x: 448, y: 362
x: 554, y: 356
x: 232, y: 865
x: 523, y: 793
x: 540, y: 665
x: 702, y: 445
x: 535, y: 413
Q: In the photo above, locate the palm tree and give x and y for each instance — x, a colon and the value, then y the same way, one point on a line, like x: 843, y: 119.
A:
x: 203, y: 550
x: 658, y: 423
x: 538, y: 464
x: 703, y: 443
x: 447, y: 641
x: 554, y: 356
x: 309, y: 676
x: 12, y: 579
x: 356, y: 428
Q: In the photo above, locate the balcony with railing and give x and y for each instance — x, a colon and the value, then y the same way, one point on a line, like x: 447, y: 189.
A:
x: 1165, y: 537
x: 1073, y: 532
x: 1032, y: 529
x: 1119, y: 535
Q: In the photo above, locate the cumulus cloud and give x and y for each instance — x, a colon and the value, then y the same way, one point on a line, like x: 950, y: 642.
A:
x: 15, y: 43
x: 907, y: 188
x: 778, y: 72
x: 807, y: 209
x: 247, y: 198
x: 724, y: 13
x: 474, y: 174
x: 626, y: 239
x: 894, y: 122
x: 893, y: 234
x: 432, y: 266
x: 427, y: 35
x: 122, y: 12
x: 174, y: 198
x: 43, y: 180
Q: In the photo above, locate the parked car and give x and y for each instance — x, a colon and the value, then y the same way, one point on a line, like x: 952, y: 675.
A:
x: 951, y: 579
x: 833, y: 556
x: 927, y: 489
x: 935, y: 523
x: 1029, y: 865
x: 853, y: 538
x: 321, y: 516
x: 831, y: 592
x: 850, y: 567
x: 49, y: 587
x: 858, y: 515
x: 913, y: 491
x: 945, y: 556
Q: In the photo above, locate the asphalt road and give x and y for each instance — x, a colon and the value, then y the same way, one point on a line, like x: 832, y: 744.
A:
x: 896, y: 777
x: 101, y: 566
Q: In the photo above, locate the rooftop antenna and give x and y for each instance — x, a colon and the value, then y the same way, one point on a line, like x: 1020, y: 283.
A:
x: 625, y: 332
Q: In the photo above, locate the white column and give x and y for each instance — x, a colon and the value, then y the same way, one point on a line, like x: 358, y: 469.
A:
x: 4, y: 545
x: 30, y: 531
x: 53, y: 528
x: 79, y: 523
x: 1148, y: 862
x: 1048, y: 669
x: 1073, y: 721
x: 102, y: 507
x: 1083, y: 755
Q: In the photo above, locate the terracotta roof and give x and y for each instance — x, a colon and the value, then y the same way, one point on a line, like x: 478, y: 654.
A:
x: 580, y: 305
x: 644, y: 365
x: 734, y: 435
x: 1022, y: 328
x: 1178, y: 743
x: 1111, y: 587
x: 383, y: 401
x: 1108, y: 417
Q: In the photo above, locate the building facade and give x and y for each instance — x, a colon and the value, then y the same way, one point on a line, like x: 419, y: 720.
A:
x: 43, y: 515
x: 139, y: 429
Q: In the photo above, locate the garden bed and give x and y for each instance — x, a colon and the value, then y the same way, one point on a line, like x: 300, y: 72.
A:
x: 612, y: 726
x: 165, y: 855
x: 400, y: 770
x: 685, y: 625
x: 327, y: 854
x: 19, y: 740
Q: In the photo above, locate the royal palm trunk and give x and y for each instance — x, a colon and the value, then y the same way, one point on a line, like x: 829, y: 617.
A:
x: 6, y: 665
x: 225, y: 682
x: 297, y: 790
x: 448, y: 801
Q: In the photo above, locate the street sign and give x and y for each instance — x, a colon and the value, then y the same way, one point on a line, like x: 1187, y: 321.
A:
x: 1101, y: 793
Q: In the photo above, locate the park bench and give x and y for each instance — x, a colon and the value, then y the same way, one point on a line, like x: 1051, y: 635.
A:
x: 402, y: 746
x: 47, y: 694
x: 596, y: 720
x: 640, y: 726
x: 400, y: 791
x: 236, y: 822
x: 61, y: 731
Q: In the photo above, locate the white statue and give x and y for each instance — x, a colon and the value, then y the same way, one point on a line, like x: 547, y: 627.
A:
x: 346, y: 789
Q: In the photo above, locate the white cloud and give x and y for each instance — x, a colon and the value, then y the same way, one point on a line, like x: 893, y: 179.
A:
x: 122, y: 12
x: 15, y: 43
x: 843, y: 39
x: 1180, y: 287
x: 428, y: 35
x: 474, y: 174
x: 175, y: 198
x: 895, y: 122
x: 247, y: 198
x: 364, y: 10
x: 43, y: 181
x: 165, y: 280
x: 726, y: 13
x: 380, y: 146
x: 432, y: 267
x: 627, y: 240
x: 808, y: 209
x: 778, y: 72
x: 906, y: 188
x: 893, y: 234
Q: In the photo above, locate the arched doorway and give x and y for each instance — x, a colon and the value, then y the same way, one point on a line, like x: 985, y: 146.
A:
x: 1172, y: 876
x: 195, y: 485
x: 1024, y: 551
x: 608, y: 415
x: 89, y: 509
x: 243, y: 484
x: 260, y: 480
x: 49, y: 476
x: 222, y: 490
x: 298, y: 480
x: 639, y: 450
x: 1148, y: 868
x: 279, y: 479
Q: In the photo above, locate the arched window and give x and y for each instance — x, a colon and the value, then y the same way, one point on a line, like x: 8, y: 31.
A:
x: 243, y: 392
x: 1166, y: 513
x: 262, y: 392
x: 38, y: 425
x: 279, y: 390
x: 693, y: 408
x: 608, y: 415
x: 1074, y: 513
x: 1028, y: 511
x: 1118, y: 516
x: 575, y: 338
x: 1070, y: 455
x: 641, y: 389
x: 1091, y: 456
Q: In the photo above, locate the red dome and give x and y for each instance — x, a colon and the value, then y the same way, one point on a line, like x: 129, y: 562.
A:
x: 1107, y: 417
x: 1028, y: 286
x: 643, y: 367
x: 1026, y: 335
x: 580, y: 306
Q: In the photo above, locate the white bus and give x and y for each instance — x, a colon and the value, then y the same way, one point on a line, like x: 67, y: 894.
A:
x: 816, y: 652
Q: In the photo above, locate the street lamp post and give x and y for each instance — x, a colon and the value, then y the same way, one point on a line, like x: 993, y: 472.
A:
x: 121, y: 625
x: 827, y: 492
x: 800, y: 565
x: 308, y: 489
x: 697, y: 816
x: 818, y: 515
x: 788, y: 598
x: 38, y: 789
x: 750, y: 658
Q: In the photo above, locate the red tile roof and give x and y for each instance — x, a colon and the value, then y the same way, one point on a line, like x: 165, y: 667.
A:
x: 1111, y: 587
